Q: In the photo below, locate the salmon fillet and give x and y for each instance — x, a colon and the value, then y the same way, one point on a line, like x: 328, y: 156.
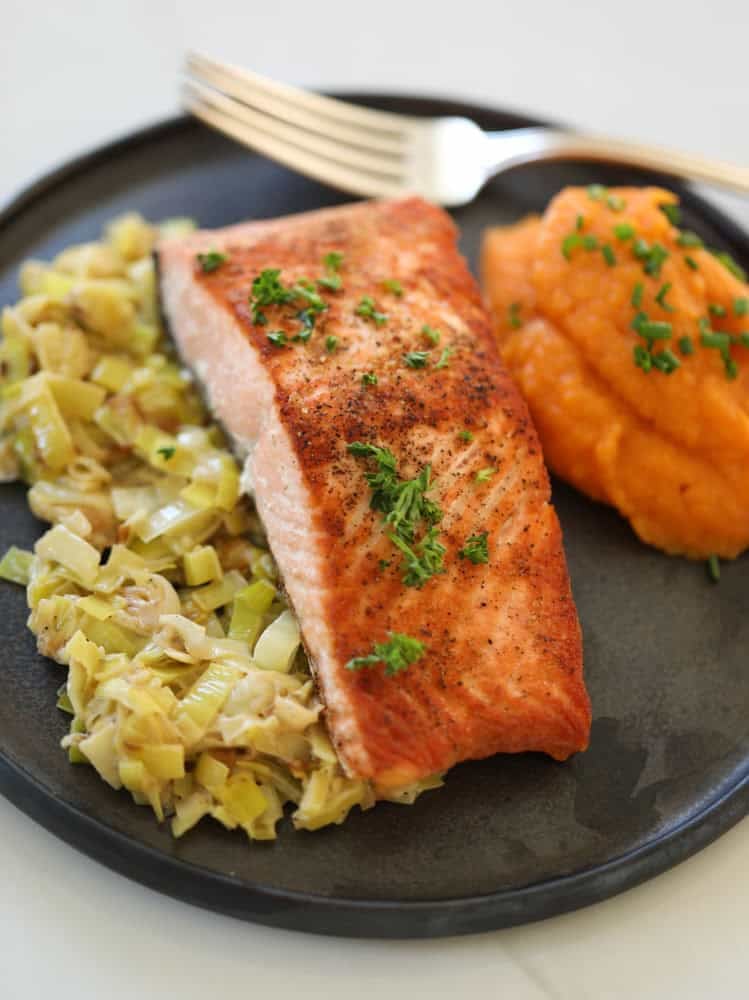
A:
x: 501, y: 669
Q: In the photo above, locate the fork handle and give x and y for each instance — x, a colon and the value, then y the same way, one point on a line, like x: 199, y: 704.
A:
x: 525, y: 145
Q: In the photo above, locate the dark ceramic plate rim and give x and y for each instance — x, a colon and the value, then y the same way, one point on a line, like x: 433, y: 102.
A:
x: 338, y: 915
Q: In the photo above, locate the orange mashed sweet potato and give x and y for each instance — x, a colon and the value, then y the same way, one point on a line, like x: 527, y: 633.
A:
x: 625, y: 337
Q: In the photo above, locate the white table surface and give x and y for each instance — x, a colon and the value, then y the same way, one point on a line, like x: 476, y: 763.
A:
x: 76, y: 73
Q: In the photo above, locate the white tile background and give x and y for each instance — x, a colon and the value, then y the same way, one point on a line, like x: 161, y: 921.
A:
x: 75, y: 73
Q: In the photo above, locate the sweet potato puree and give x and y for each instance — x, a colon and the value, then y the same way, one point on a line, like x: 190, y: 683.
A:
x: 625, y: 338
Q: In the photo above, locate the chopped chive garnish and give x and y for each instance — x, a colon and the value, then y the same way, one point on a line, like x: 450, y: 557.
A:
x: 366, y: 309
x: 691, y: 262
x: 641, y: 248
x: 730, y: 264
x: 432, y: 335
x: 444, y: 358
x: 393, y: 286
x: 211, y: 260
x: 652, y: 329
x: 416, y: 359
x: 465, y: 435
x: 689, y: 239
x: 715, y: 309
x: 484, y: 475
x: 732, y: 369
x: 686, y: 346
x: 743, y: 339
x: 597, y: 192
x: 666, y: 362
x: 661, y: 297
x: 709, y: 338
x: 672, y: 213
x: 624, y: 231
x: 580, y: 223
x: 476, y: 549
x: 615, y: 203
x: 642, y: 357
x: 655, y: 259
x: 369, y: 378
x: 740, y: 307
x: 166, y: 453
x: 713, y: 568
x: 513, y: 316
x: 331, y: 343
x: 278, y: 338
x: 590, y: 242
x: 637, y: 295
x: 608, y: 255
x: 570, y: 243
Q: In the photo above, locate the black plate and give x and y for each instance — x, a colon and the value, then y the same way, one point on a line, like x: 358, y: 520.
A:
x: 510, y: 839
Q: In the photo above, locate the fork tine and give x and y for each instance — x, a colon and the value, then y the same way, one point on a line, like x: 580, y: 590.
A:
x: 345, y: 156
x: 353, y: 180
x: 228, y: 78
x: 371, y: 162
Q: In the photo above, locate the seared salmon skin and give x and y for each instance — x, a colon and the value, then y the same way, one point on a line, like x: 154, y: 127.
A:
x: 399, y: 479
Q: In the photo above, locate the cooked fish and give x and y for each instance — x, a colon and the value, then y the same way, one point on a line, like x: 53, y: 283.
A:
x: 363, y: 325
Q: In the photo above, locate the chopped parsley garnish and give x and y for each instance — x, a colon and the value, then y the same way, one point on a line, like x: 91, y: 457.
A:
x: 689, y: 239
x: 211, y: 261
x: 369, y: 378
x: 624, y: 231
x: 692, y: 263
x: 740, y: 307
x: 422, y: 560
x: 715, y: 309
x: 393, y: 286
x: 476, y: 548
x: 465, y: 436
x: 416, y: 359
x: 383, y: 563
x: 167, y: 452
x: 398, y: 653
x: 444, y: 359
x: 278, y: 338
x: 661, y: 297
x: 331, y: 282
x: 332, y: 263
x: 730, y: 264
x: 513, y: 316
x: 686, y: 346
x: 713, y: 568
x: 331, y: 343
x: 637, y: 295
x: 590, y: 242
x: 268, y: 290
x: 432, y: 335
x: 484, y: 475
x: 608, y: 255
x: 367, y: 310
x: 406, y: 508
x: 672, y: 213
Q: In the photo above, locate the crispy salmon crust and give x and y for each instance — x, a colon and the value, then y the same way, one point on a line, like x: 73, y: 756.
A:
x: 502, y: 669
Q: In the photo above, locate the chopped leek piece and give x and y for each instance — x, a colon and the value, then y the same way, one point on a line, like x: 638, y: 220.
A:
x: 278, y: 644
x: 74, y: 553
x: 201, y: 566
x: 216, y: 595
x: 165, y: 762
x: 210, y: 772
x: 15, y: 565
x: 205, y: 699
